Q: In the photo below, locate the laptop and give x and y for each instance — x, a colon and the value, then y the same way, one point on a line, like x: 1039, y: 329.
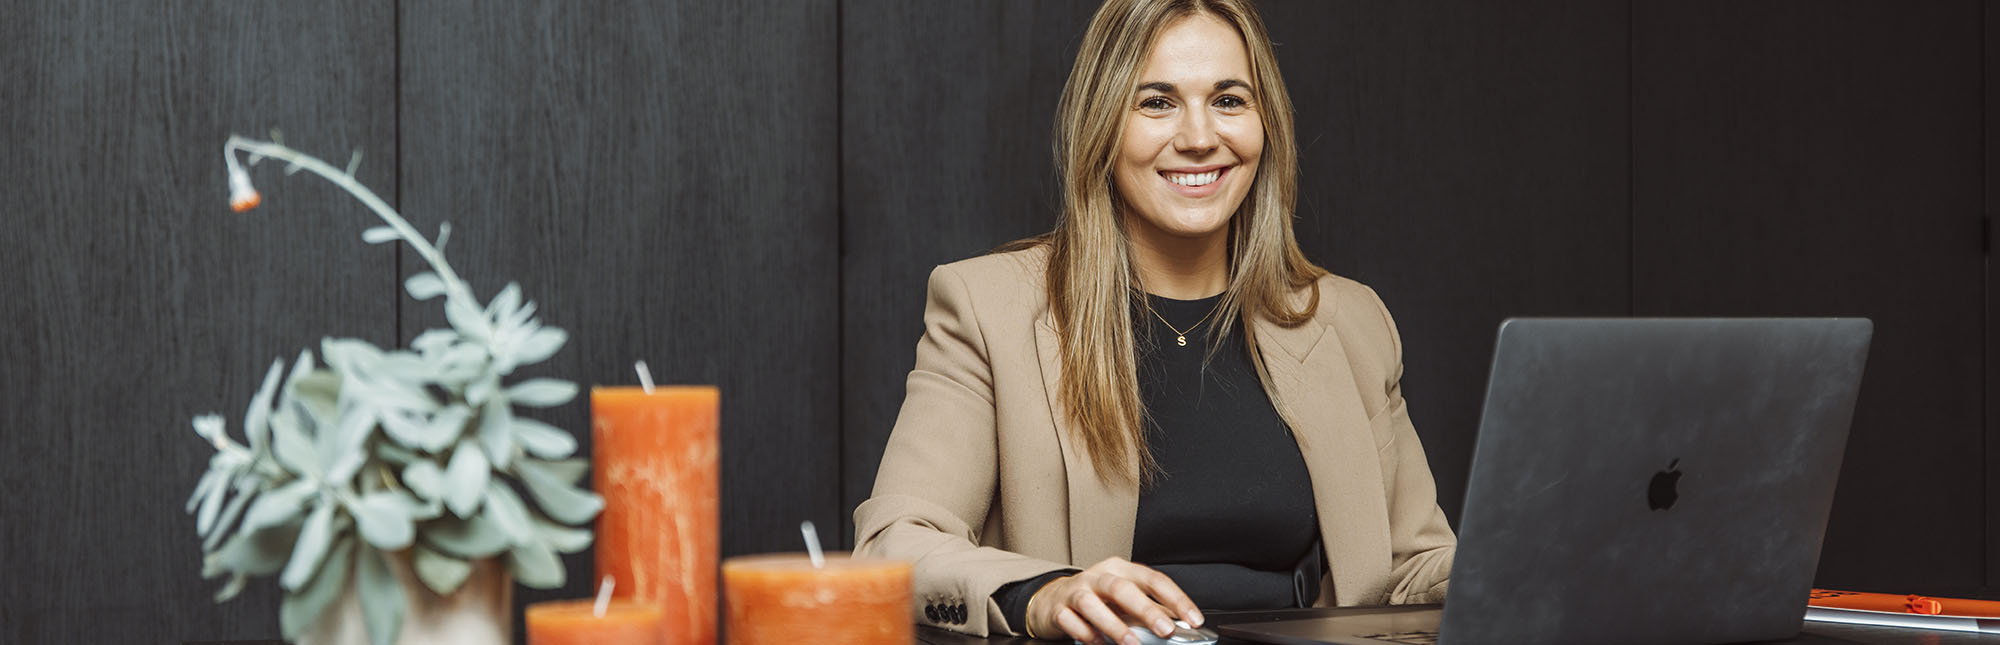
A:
x: 1635, y: 481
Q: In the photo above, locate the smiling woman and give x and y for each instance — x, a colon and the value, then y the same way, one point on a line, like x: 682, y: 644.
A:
x: 1066, y: 465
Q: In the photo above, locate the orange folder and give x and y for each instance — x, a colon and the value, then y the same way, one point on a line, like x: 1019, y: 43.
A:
x: 1905, y: 604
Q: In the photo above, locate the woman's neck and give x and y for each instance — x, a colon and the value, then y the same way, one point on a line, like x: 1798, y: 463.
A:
x: 1182, y: 268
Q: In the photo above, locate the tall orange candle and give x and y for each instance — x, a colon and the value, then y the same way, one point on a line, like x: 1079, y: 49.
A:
x: 659, y: 533
x: 782, y: 599
x: 575, y: 622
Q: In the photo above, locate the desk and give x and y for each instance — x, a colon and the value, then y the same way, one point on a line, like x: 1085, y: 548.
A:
x: 1815, y: 632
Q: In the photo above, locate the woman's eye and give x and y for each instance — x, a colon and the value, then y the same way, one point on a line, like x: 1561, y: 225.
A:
x: 1231, y: 102
x: 1156, y: 104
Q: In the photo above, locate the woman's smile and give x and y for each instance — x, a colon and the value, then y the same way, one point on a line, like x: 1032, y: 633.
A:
x: 1198, y: 181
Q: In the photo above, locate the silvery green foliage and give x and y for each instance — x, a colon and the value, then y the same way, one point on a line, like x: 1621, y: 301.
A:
x: 376, y: 451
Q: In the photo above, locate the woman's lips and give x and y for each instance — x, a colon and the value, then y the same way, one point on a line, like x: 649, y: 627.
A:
x: 1201, y: 183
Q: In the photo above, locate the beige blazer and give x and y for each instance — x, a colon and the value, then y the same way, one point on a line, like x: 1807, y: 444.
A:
x: 982, y: 483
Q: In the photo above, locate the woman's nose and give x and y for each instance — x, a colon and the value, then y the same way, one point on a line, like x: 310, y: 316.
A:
x: 1196, y: 135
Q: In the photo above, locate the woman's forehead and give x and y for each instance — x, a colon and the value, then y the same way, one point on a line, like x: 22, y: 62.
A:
x: 1196, y: 52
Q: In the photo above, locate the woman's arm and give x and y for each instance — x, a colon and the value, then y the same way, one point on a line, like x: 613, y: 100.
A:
x: 1421, y: 541
x: 938, y: 472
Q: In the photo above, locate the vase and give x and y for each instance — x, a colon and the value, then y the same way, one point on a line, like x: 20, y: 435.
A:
x: 479, y: 612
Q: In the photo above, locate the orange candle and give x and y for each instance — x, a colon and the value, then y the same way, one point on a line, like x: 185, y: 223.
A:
x: 781, y: 599
x: 655, y: 465
x: 575, y: 622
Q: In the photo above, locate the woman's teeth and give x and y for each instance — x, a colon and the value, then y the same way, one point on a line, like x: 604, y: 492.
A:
x: 1193, y: 179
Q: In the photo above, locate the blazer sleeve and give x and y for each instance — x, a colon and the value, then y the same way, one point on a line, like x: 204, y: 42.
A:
x: 939, y: 471
x: 1421, y: 540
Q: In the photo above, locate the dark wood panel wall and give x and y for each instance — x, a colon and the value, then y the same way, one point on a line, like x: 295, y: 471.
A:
x: 750, y: 194
x: 1829, y: 162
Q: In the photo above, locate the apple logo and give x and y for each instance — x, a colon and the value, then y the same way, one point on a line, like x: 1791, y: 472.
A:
x: 1663, y: 492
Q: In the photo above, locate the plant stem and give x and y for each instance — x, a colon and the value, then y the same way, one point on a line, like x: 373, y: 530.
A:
x: 454, y: 287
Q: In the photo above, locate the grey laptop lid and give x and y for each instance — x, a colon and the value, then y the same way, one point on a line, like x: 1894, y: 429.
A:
x: 1662, y: 480
x: 1637, y: 481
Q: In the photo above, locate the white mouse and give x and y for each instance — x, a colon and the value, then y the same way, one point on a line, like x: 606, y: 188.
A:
x: 1184, y: 634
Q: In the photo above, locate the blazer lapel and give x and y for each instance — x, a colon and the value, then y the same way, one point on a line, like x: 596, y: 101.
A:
x: 1101, y: 515
x: 1317, y: 396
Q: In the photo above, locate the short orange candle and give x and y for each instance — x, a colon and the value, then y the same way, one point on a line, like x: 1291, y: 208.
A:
x: 575, y: 622
x: 781, y: 599
x: 655, y: 465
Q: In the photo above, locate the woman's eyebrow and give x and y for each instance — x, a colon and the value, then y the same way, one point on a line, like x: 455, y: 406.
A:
x: 1168, y: 88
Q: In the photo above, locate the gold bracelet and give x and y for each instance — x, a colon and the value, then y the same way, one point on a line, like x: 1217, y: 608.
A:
x: 1028, y: 617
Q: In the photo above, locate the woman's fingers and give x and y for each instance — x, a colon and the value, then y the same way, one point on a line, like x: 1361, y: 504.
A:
x: 1165, y: 592
x: 1137, y: 604
x: 1099, y: 615
x: 1077, y: 627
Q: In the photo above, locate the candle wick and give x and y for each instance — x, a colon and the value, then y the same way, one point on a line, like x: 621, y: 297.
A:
x: 603, y: 596
x: 812, y: 544
x: 645, y: 376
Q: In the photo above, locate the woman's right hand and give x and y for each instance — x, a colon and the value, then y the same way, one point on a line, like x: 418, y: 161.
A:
x: 1093, y: 604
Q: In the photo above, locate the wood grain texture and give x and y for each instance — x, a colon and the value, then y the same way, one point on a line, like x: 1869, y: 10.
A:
x: 1990, y: 396
x: 135, y: 299
x: 1469, y: 161
x: 660, y: 178
x: 1801, y: 159
x: 946, y: 120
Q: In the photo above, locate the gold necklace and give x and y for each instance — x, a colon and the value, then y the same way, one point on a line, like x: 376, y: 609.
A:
x: 1181, y: 336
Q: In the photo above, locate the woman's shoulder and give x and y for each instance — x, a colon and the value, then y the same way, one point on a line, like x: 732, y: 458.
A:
x: 1353, y: 307
x: 999, y: 284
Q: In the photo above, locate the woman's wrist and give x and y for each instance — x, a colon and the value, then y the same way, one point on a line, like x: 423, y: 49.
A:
x: 1028, y: 621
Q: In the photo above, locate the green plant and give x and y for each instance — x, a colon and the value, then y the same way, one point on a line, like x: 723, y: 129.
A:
x: 378, y: 451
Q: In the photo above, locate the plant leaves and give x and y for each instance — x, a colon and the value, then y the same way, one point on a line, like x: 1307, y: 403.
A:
x: 465, y: 317
x: 233, y: 587
x: 506, y: 303
x: 433, y: 340
x: 543, y: 440
x: 256, y: 419
x: 384, y: 519
x: 562, y: 538
x: 570, y: 471
x: 558, y: 500
x: 482, y: 390
x: 542, y: 392
x: 465, y: 478
x: 246, y: 490
x: 210, y: 427
x: 495, y: 422
x: 304, y: 607
x: 382, y: 602
x: 314, y: 540
x: 278, y: 506
x: 208, y: 479
x: 211, y: 503
x: 424, y: 478
x: 294, y: 450
x: 472, y: 538
x: 380, y: 234
x: 349, y: 356
x: 425, y: 286
x: 257, y: 553
x: 509, y: 513
x: 446, y: 426
x: 535, y: 565
x: 539, y: 346
x: 442, y: 573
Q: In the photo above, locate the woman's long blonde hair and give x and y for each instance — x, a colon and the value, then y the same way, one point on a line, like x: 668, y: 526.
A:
x: 1093, y: 287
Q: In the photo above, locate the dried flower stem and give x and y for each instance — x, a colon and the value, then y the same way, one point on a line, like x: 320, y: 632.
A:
x: 240, y: 180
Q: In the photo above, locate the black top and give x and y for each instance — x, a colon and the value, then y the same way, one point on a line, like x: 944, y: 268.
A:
x: 1231, y: 517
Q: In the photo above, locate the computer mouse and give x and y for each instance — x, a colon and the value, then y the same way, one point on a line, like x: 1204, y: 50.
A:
x: 1184, y: 634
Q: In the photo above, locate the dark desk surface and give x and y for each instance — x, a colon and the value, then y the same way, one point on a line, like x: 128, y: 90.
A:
x: 1815, y: 632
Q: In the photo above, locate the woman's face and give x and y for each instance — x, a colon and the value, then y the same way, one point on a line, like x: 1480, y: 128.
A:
x: 1192, y: 135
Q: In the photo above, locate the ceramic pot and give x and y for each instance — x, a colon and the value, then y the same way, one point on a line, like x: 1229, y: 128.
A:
x: 477, y: 613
